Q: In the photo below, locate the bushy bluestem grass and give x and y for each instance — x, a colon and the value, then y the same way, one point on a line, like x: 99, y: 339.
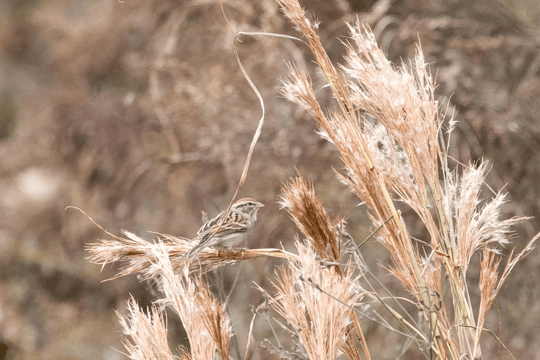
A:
x: 388, y: 128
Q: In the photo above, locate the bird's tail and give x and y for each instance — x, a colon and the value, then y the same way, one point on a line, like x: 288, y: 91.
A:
x: 197, y: 248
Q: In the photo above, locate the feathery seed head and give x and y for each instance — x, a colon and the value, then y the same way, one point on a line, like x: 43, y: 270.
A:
x: 298, y: 198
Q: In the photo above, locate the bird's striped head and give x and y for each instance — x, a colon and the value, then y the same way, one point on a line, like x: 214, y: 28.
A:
x: 247, y: 207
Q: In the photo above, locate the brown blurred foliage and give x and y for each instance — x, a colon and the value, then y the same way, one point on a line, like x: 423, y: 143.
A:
x: 137, y: 112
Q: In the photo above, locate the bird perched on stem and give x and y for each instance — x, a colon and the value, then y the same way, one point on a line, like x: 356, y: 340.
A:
x: 224, y: 234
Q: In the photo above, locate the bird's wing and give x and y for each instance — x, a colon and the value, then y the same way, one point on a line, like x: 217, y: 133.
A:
x: 210, y: 224
x: 234, y: 223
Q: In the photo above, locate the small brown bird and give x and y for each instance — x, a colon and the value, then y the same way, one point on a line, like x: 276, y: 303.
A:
x: 233, y: 231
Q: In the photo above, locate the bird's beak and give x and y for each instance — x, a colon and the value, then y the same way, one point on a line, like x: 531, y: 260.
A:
x: 260, y: 205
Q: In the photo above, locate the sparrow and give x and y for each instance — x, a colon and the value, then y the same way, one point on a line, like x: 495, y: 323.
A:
x: 235, y: 229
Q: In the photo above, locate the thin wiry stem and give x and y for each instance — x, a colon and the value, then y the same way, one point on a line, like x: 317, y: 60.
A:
x: 364, y: 315
x: 373, y: 233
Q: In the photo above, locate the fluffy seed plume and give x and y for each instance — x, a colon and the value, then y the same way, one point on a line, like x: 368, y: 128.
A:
x: 479, y: 227
x: 203, y: 318
x: 314, y: 303
x: 215, y: 319
x: 148, y: 333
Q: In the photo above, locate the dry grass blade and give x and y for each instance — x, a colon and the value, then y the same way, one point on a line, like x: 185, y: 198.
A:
x: 513, y: 260
x: 308, y: 27
x: 137, y: 255
x: 488, y: 281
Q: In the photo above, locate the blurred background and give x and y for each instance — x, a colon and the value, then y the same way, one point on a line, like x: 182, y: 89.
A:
x: 137, y: 113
